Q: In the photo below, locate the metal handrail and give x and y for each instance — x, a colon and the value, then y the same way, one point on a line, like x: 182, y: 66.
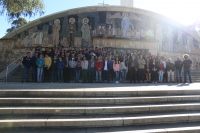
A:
x: 10, y: 65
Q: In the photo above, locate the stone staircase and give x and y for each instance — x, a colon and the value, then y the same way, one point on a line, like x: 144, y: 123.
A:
x: 97, y: 108
x: 18, y: 75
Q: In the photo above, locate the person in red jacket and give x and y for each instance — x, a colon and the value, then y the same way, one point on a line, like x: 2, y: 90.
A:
x: 98, y: 67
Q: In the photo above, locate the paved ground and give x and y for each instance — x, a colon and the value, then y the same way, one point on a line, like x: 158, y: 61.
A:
x: 97, y: 86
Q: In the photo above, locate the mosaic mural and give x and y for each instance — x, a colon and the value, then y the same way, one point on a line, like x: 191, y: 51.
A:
x: 81, y: 29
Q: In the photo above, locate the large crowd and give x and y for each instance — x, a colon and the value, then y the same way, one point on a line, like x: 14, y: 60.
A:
x: 103, y: 65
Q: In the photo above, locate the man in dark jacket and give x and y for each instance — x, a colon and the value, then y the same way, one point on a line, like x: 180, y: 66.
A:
x: 106, y: 68
x: 91, y: 69
x: 67, y: 68
x: 187, y: 65
x: 34, y: 67
x: 27, y: 65
x: 132, y: 67
x: 178, y: 66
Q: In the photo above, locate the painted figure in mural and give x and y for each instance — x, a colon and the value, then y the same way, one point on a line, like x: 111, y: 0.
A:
x: 170, y: 39
x: 159, y: 37
x: 56, y: 29
x: 85, y: 32
x: 125, y: 24
x: 28, y: 40
x: 72, y: 30
x: 39, y: 38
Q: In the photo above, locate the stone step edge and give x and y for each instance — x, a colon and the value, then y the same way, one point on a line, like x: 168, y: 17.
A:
x: 99, y: 110
x: 102, y: 122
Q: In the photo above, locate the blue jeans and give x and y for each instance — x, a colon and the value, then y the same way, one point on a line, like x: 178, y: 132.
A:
x: 123, y: 74
x: 26, y: 73
x: 78, y: 73
x: 60, y: 75
x: 98, y: 76
x: 161, y: 72
x: 54, y: 75
x: 141, y: 75
x: 39, y: 74
x: 187, y: 71
x: 179, y: 75
x: 117, y: 75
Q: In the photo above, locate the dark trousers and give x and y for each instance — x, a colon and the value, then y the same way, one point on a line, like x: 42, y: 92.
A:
x: 187, y: 72
x: 111, y: 75
x: 133, y: 73
x: 141, y: 75
x: 66, y: 74
x: 60, y: 75
x: 91, y: 74
x: 26, y: 73
x: 165, y: 76
x: 179, y: 75
x: 154, y: 76
x: 54, y: 75
x: 46, y: 74
x: 34, y: 73
x: 72, y: 74
x: 106, y: 75
x: 84, y: 73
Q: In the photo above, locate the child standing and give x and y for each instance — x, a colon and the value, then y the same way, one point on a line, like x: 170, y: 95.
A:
x: 60, y: 66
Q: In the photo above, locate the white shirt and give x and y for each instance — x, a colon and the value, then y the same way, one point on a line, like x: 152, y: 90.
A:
x: 105, y: 67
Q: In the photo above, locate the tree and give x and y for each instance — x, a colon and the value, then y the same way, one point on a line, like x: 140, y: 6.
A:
x: 16, y: 24
x: 18, y: 8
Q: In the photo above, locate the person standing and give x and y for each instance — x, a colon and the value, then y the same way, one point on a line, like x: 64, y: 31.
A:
x: 66, y: 69
x: 106, y: 68
x: 178, y: 66
x: 165, y: 78
x: 170, y: 70
x: 116, y: 68
x: 98, y: 67
x: 47, y: 65
x: 161, y: 69
x: 133, y: 66
x: 72, y: 65
x: 148, y: 70
x: 34, y: 67
x: 40, y: 66
x: 111, y: 71
x: 124, y: 69
x: 60, y: 66
x: 141, y: 63
x: 54, y: 68
x: 27, y: 65
x: 78, y: 69
x: 91, y: 69
x: 84, y: 65
x: 187, y: 65
x: 154, y: 71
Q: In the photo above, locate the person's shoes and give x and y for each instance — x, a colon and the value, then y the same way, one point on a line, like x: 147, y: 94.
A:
x: 27, y: 81
x: 22, y: 82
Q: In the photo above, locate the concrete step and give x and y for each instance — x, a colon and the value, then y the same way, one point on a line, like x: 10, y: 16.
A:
x: 96, y: 110
x: 101, y: 121
x: 112, y: 90
x: 84, y: 101
x: 161, y: 128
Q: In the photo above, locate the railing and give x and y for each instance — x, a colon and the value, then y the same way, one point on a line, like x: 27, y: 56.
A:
x: 10, y: 65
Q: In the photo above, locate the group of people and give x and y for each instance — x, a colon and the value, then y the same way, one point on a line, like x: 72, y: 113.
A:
x: 102, y: 65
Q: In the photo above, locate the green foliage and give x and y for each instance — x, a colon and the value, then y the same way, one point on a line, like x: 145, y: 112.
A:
x: 18, y: 8
x: 16, y: 24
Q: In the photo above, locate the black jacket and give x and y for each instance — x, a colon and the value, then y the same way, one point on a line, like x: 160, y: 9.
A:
x: 135, y: 62
x: 178, y: 64
x: 54, y: 64
x: 27, y: 62
x: 170, y: 66
x: 33, y: 61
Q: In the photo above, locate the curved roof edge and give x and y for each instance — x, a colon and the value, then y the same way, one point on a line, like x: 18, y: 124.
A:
x: 100, y: 8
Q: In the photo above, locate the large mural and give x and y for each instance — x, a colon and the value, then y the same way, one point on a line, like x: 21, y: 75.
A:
x: 81, y: 29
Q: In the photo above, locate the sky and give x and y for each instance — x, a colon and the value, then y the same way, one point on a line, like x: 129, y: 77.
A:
x: 183, y: 11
